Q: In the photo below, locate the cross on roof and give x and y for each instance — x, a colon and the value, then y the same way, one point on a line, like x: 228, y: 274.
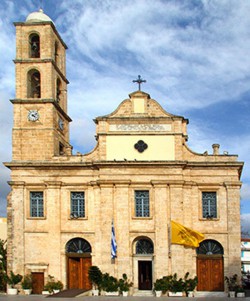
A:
x: 139, y: 80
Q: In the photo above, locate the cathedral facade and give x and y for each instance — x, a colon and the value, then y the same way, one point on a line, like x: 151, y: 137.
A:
x: 140, y: 177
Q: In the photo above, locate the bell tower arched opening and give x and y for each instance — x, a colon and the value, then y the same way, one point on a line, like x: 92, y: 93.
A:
x: 34, y: 46
x: 34, y: 84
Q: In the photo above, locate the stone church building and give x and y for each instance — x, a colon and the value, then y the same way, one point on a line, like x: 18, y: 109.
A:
x: 141, y: 175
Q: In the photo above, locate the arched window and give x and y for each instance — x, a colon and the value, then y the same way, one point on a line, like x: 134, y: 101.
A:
x: 210, y: 247
x: 56, y: 52
x: 58, y: 89
x: 78, y: 245
x: 144, y: 246
x: 34, y: 84
x: 34, y: 41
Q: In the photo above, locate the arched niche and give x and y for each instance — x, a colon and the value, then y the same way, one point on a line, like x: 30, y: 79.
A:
x: 34, y: 45
x: 34, y: 84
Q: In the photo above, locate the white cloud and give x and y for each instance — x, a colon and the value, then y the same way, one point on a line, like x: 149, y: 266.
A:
x: 245, y: 224
x: 192, y: 54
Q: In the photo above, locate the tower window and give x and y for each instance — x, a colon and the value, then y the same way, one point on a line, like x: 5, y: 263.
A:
x: 61, y: 149
x: 34, y: 42
x: 58, y: 89
x: 56, y: 52
x: 34, y: 84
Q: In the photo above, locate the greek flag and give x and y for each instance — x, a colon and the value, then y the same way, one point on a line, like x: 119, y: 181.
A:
x: 113, y: 242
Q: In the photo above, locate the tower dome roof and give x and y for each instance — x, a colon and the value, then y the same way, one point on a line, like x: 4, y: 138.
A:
x: 37, y: 17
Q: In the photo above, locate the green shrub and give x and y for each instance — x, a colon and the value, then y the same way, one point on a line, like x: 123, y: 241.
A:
x: 95, y: 276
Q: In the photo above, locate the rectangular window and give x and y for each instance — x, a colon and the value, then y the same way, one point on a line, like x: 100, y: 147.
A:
x: 36, y: 204
x: 77, y: 205
x: 142, y: 203
x: 209, y: 205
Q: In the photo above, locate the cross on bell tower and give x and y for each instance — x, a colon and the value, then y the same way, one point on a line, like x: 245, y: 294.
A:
x: 139, y: 80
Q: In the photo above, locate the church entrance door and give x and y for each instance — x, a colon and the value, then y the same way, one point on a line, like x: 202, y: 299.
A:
x: 78, y: 272
x: 210, y: 274
x: 145, y: 275
x: 210, y: 266
x: 78, y: 251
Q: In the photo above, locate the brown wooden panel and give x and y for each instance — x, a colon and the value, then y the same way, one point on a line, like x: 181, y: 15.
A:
x: 73, y: 272
x: 203, y: 274
x: 78, y: 272
x: 217, y: 281
x: 86, y: 263
x: 37, y: 283
x: 210, y: 274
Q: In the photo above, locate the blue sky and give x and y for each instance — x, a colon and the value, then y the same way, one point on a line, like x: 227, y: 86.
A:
x: 194, y: 55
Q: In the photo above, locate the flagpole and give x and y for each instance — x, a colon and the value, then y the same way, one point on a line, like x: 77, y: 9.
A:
x: 170, y: 248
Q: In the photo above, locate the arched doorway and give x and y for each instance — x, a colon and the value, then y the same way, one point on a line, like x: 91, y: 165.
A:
x: 210, y: 266
x: 78, y: 252
x: 144, y: 250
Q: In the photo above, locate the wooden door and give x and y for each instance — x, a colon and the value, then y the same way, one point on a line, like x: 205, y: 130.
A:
x: 210, y: 274
x: 73, y: 272
x: 78, y: 272
x: 85, y: 264
x: 145, y: 275
x: 37, y: 283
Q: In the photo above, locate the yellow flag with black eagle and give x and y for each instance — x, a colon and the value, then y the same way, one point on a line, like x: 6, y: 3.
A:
x: 182, y: 235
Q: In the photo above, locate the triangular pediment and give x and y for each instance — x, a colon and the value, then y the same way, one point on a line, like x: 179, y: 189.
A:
x: 139, y: 105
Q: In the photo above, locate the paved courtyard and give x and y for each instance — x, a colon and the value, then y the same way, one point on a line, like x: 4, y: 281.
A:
x: 100, y: 298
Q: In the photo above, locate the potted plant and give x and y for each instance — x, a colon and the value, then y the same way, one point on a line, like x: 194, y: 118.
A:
x: 58, y: 286
x: 95, y: 276
x: 13, y: 280
x: 52, y: 286
x: 27, y: 284
x: 232, y: 284
x: 240, y: 292
x: 124, y: 285
x: 110, y: 285
x: 190, y: 285
x: 159, y: 287
x: 176, y: 286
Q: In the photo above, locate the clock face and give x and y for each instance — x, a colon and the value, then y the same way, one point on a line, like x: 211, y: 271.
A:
x: 33, y: 115
x: 60, y: 123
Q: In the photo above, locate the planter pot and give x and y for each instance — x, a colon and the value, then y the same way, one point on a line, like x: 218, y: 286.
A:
x: 177, y: 294
x: 190, y: 294
x: 125, y: 294
x: 56, y: 291
x: 12, y: 291
x: 241, y: 295
x: 95, y: 292
x: 158, y: 293
x: 45, y: 293
x: 111, y: 293
x: 232, y: 294
x: 27, y: 291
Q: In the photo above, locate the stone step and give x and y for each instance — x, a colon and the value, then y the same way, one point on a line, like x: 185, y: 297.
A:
x: 143, y: 294
x: 200, y: 294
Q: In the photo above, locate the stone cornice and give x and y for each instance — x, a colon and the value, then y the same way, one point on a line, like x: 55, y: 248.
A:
x: 42, y: 24
x: 41, y: 101
x: 39, y: 60
x: 118, y: 164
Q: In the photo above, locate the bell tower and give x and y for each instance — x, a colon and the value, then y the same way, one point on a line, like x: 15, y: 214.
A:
x: 41, y: 122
